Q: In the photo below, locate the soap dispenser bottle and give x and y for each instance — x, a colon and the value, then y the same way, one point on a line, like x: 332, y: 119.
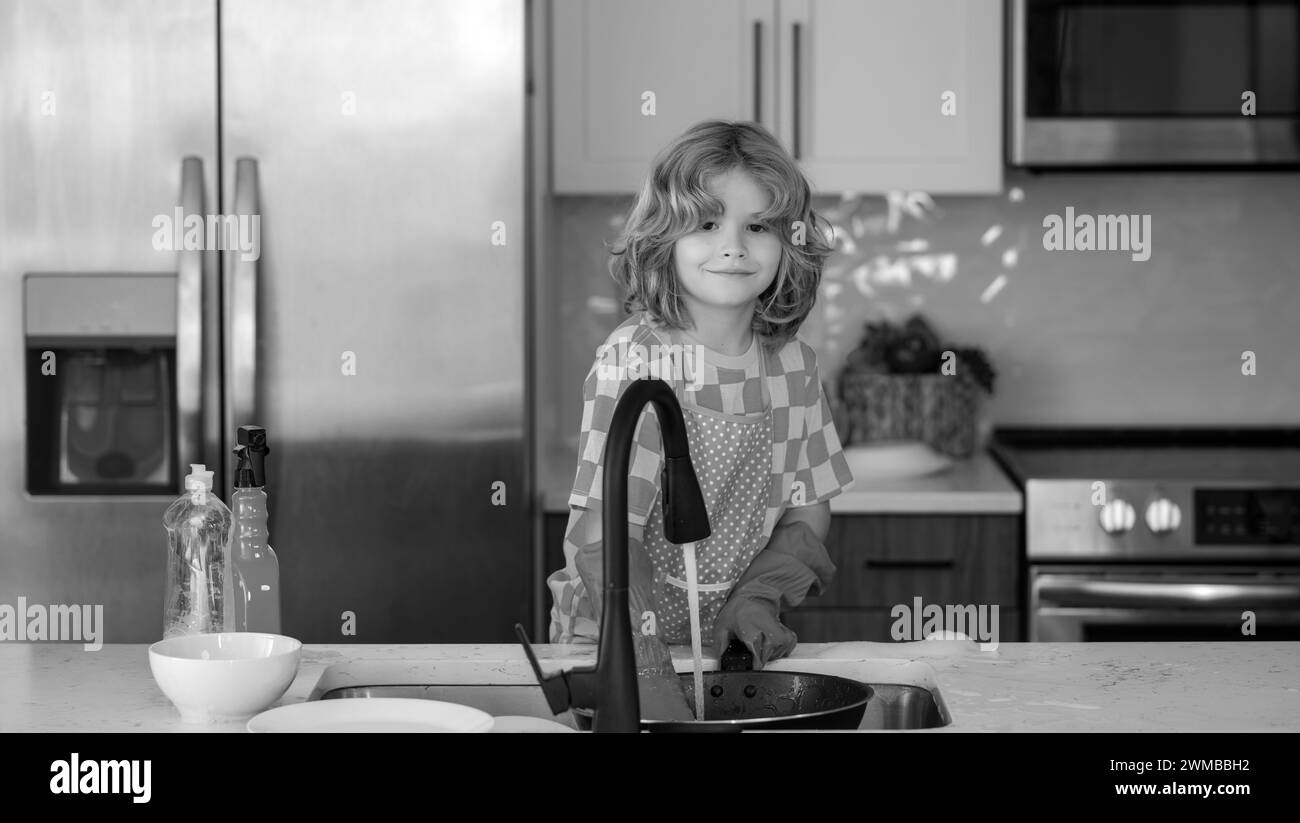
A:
x: 200, y: 597
x: 257, y: 572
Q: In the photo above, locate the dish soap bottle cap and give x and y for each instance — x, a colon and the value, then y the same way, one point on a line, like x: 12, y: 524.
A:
x: 199, y: 478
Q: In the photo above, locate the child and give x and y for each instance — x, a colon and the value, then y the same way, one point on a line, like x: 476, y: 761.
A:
x: 720, y: 259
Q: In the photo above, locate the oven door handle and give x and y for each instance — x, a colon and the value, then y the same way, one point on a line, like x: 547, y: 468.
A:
x: 1073, y: 591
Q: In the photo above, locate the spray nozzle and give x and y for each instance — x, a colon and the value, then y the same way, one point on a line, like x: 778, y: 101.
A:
x: 250, y: 471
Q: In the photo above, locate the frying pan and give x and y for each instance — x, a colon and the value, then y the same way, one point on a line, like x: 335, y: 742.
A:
x: 739, y: 698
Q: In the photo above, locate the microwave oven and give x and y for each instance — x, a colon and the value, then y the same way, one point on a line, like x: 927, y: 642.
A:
x: 1121, y: 83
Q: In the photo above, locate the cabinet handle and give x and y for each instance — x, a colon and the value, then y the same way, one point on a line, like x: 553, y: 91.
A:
x: 797, y: 59
x: 758, y: 71
x: 916, y: 563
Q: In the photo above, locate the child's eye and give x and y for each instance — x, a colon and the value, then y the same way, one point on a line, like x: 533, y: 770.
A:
x: 758, y: 226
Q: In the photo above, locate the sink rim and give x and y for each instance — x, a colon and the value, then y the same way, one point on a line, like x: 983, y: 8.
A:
x: 506, y: 671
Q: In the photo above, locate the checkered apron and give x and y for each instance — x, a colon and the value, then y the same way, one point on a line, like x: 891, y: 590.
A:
x: 732, y: 456
x: 806, y: 463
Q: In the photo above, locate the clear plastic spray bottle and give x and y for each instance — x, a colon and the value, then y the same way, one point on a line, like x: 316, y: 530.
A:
x: 257, y: 572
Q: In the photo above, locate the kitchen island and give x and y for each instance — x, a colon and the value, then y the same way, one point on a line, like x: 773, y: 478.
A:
x: 1242, y: 686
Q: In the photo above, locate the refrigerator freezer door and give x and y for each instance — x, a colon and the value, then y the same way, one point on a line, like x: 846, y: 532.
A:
x: 99, y: 104
x: 389, y: 309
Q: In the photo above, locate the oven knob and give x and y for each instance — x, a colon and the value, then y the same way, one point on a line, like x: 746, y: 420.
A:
x: 1163, y: 516
x: 1117, y: 516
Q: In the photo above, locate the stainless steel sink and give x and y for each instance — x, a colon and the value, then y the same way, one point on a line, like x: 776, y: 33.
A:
x: 894, y: 705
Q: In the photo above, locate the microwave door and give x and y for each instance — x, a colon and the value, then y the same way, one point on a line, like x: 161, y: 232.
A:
x: 1154, y: 84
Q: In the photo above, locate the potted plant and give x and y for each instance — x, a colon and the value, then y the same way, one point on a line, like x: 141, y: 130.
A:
x: 903, y: 383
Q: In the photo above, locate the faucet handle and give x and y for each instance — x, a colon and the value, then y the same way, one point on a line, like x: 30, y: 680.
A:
x: 563, y: 687
x: 554, y: 687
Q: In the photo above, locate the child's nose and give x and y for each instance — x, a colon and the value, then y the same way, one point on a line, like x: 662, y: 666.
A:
x: 733, y: 246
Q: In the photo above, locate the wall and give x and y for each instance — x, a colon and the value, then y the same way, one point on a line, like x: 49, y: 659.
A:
x: 1076, y: 337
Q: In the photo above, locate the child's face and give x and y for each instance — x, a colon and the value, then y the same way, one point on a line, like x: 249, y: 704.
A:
x: 726, y: 242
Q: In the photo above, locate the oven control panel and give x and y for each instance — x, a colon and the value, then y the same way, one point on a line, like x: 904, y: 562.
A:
x: 1246, y: 516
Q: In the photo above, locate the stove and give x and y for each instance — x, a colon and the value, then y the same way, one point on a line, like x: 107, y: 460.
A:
x: 1159, y: 533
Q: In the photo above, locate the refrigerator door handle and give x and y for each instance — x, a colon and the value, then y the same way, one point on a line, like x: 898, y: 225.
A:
x: 189, y: 325
x: 241, y: 300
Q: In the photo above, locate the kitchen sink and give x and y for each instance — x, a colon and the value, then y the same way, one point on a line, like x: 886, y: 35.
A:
x: 906, y: 692
x: 893, y: 706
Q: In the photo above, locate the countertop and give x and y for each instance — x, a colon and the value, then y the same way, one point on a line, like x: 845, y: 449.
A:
x: 975, y: 485
x: 1242, y: 686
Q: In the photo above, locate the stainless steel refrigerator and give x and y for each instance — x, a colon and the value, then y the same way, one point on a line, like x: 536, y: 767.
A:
x: 375, y: 326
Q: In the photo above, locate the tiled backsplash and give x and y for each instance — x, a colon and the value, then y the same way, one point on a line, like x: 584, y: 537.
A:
x: 1077, y: 337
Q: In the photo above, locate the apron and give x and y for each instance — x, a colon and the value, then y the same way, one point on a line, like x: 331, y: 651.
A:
x: 732, y: 456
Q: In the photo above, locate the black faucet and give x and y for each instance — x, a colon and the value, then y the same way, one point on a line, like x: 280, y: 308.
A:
x: 611, y: 687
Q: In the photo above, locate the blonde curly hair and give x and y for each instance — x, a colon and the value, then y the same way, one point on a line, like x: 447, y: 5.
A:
x: 673, y: 202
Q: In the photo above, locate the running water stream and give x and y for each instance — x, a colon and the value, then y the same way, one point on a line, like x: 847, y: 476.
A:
x: 693, y: 601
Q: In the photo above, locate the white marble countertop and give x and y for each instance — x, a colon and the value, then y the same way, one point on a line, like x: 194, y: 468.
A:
x: 975, y: 485
x: 1243, y: 686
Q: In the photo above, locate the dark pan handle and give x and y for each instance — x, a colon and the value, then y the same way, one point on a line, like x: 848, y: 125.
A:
x: 737, y: 657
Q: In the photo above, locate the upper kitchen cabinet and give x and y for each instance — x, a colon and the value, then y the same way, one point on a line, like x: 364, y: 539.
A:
x: 893, y: 94
x: 629, y: 76
x: 868, y: 96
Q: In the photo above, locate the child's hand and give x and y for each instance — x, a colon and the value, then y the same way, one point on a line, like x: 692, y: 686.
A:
x: 757, y: 627
x: 589, y: 558
x: 780, y: 576
x: 662, y: 698
x: 662, y: 693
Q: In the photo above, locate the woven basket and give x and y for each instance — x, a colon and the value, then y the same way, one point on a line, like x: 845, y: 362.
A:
x: 940, y: 410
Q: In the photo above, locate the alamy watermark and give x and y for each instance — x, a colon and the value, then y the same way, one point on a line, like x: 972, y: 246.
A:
x: 58, y: 622
x: 634, y: 361
x: 1104, y: 232
x: 77, y: 776
x: 220, y: 232
x: 918, y: 621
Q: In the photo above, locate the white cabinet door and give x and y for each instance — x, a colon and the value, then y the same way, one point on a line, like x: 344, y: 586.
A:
x: 615, y: 59
x: 893, y: 94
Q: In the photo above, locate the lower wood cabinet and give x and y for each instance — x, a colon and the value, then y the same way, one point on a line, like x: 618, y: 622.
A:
x: 816, y: 625
x: 888, y: 560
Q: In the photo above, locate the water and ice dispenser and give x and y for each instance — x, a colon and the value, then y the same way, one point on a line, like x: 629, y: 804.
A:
x: 101, y: 383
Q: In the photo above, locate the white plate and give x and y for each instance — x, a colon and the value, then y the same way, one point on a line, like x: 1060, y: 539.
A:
x: 520, y: 723
x: 372, y: 714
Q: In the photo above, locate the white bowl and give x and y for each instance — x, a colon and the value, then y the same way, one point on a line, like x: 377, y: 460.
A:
x: 224, y: 677
x: 894, y: 460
